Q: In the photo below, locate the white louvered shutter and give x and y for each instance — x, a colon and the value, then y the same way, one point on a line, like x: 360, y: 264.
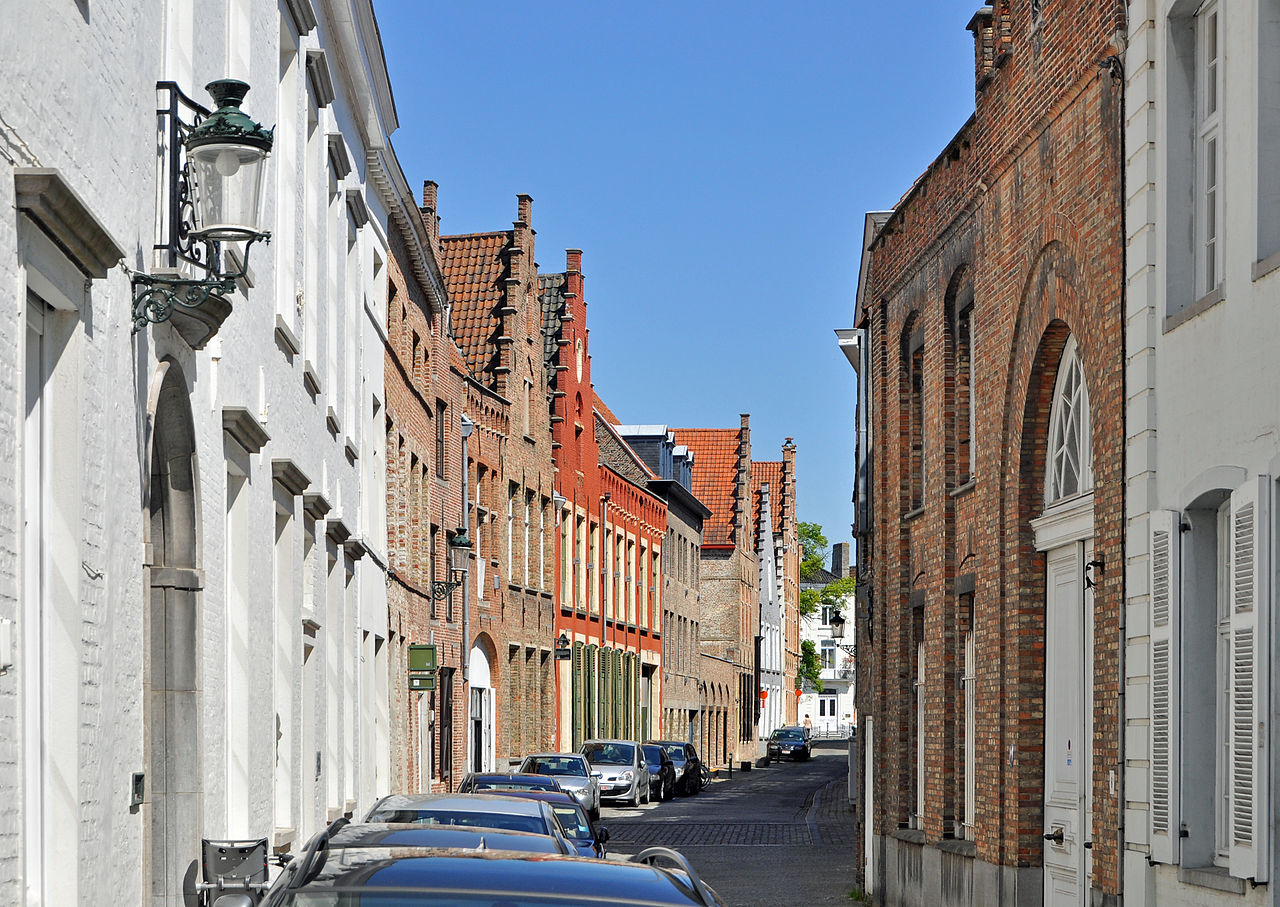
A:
x: 1250, y: 545
x: 1166, y: 598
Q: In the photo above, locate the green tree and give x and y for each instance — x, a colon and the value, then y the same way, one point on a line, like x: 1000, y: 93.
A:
x: 810, y: 666
x: 813, y: 549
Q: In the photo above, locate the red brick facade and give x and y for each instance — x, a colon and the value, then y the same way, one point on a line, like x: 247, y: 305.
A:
x: 611, y: 529
x: 1022, y: 214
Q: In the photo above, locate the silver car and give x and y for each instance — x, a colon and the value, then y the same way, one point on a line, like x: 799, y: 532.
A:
x: 573, y: 773
x: 471, y: 810
x: 624, y: 774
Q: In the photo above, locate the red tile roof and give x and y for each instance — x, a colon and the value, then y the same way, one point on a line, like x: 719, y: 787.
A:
x: 603, y: 409
x: 715, y: 478
x: 473, y: 269
x: 770, y: 472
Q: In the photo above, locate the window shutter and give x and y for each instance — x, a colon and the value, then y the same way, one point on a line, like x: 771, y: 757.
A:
x: 1250, y: 546
x: 1166, y: 595
x: 579, y: 684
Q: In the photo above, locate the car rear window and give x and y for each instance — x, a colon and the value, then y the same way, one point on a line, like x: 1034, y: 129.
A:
x: 555, y: 766
x: 481, y: 820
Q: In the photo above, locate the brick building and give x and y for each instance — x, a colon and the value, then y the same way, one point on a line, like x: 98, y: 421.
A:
x: 730, y: 574
x: 773, y: 502
x: 506, y: 613
x: 611, y: 529
x: 991, y: 306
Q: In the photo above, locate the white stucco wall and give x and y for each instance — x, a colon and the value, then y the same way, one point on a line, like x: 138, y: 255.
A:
x: 84, y: 104
x: 1199, y: 389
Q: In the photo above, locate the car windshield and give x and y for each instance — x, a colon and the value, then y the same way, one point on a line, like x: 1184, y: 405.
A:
x: 789, y: 736
x: 555, y: 765
x: 573, y: 820
x: 610, y: 753
x: 675, y: 751
x: 442, y: 817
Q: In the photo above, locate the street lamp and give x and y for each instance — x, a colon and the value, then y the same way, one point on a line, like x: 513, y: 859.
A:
x: 837, y: 622
x: 214, y: 198
x: 459, y: 561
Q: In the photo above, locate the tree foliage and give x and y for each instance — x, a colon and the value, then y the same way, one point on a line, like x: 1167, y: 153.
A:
x: 813, y: 546
x: 810, y: 666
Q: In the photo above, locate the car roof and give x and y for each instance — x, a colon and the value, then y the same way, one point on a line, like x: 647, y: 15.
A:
x: 553, y: 756
x: 554, y: 797
x: 512, y: 776
x: 401, y: 835
x: 570, y: 879
x: 473, y: 803
x: 610, y: 740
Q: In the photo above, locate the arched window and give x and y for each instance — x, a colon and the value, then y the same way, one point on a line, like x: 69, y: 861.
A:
x: 1070, y: 465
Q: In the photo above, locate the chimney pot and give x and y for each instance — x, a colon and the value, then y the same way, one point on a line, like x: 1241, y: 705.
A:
x: 524, y: 208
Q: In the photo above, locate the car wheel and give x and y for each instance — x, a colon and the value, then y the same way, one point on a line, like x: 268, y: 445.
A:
x: 634, y: 800
x: 648, y: 793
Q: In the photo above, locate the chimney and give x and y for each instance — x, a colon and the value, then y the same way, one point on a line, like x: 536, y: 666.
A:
x: 840, y: 559
x: 573, y: 259
x: 524, y: 209
x: 429, y: 216
x: 984, y: 50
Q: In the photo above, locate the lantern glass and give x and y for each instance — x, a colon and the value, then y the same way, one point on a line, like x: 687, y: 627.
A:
x: 837, y: 625
x: 229, y: 179
x: 459, y: 553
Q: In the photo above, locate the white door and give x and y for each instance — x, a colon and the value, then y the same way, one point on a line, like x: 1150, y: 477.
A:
x: 1068, y: 723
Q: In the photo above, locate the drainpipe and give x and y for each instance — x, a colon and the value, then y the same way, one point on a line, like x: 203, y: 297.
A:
x: 600, y: 555
x: 466, y: 428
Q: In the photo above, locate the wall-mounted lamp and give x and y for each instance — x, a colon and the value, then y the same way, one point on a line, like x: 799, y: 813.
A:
x: 837, y: 623
x: 215, y: 194
x: 459, y: 562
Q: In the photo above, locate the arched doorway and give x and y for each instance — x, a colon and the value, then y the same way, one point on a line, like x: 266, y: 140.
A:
x: 1064, y: 536
x: 480, y: 726
x: 171, y: 677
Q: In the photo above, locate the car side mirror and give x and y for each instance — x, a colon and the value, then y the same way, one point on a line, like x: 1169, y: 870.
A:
x: 597, y: 774
x: 602, y: 835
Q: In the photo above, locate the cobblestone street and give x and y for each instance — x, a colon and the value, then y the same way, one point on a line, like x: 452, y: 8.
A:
x: 795, y: 816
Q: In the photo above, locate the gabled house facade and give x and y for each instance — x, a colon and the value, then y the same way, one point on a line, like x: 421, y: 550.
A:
x: 992, y: 303
x: 777, y: 551
x: 832, y: 710
x: 730, y: 573
x: 1203, y: 278
x: 609, y: 542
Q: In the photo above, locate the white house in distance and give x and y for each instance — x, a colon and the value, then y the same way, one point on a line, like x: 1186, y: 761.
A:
x: 832, y: 710
x: 1203, y: 427
x: 193, y: 630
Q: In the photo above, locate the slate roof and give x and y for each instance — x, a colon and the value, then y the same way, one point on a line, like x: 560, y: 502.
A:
x: 715, y: 478
x: 473, y: 267
x: 770, y: 473
x: 617, y: 454
x: 551, y: 298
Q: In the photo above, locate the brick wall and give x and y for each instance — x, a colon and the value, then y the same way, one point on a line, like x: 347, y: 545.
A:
x: 1025, y: 204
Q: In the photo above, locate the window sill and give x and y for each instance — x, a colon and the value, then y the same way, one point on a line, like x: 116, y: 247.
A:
x: 908, y: 835
x: 1201, y: 305
x: 961, y: 490
x: 1215, y: 877
x: 912, y: 514
x: 1262, y: 268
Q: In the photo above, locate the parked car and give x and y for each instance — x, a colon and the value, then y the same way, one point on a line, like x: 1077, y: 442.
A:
x: 662, y: 772
x: 470, y: 810
x: 623, y: 772
x: 475, y: 782
x: 338, y: 867
x: 688, y: 767
x: 588, y: 839
x: 572, y: 772
x: 790, y: 742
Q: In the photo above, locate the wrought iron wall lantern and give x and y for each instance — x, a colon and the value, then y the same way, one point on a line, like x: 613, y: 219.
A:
x: 459, y: 562
x: 837, y: 624
x: 215, y: 171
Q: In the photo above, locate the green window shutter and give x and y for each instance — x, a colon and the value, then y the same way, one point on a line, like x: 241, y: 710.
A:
x: 579, y: 687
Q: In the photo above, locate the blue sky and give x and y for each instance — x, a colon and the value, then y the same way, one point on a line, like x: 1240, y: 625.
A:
x: 713, y: 161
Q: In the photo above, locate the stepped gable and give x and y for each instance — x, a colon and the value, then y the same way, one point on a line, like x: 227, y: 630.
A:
x: 767, y: 473
x: 715, y: 476
x: 474, y: 268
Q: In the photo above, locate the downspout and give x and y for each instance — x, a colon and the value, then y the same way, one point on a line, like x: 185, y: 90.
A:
x: 466, y: 428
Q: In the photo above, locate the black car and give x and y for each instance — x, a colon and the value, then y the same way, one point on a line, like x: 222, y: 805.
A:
x: 662, y: 772
x: 688, y: 766
x: 339, y: 867
x: 586, y: 837
x: 790, y: 742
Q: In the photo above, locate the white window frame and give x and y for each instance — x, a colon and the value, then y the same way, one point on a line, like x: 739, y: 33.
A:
x: 1208, y: 114
x: 1070, y: 454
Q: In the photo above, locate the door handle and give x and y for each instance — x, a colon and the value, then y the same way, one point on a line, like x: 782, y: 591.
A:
x: 1088, y: 845
x: 1055, y: 836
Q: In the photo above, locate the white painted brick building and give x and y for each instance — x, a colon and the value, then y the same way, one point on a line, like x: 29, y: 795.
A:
x: 192, y: 580
x: 1202, y: 136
